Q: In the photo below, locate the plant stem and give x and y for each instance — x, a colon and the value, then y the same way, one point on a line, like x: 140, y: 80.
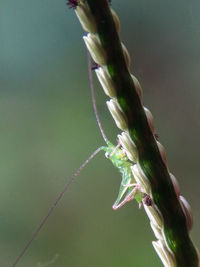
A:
x: 164, y: 196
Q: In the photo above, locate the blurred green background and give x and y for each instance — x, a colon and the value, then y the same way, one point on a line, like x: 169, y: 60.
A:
x: 47, y: 129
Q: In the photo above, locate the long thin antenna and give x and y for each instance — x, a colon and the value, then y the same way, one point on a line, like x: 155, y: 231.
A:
x: 93, y: 98
x: 53, y: 206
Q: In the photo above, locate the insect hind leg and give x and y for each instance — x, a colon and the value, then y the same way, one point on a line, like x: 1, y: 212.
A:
x: 128, y: 198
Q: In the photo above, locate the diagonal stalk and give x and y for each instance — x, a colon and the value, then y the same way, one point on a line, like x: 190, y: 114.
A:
x: 166, y: 201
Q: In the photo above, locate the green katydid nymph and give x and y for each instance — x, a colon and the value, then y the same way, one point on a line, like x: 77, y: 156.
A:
x: 128, y: 190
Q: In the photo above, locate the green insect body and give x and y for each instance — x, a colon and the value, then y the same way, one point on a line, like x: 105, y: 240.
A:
x: 128, y: 189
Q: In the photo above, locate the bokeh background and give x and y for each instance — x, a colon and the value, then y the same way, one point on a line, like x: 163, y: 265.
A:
x: 47, y: 129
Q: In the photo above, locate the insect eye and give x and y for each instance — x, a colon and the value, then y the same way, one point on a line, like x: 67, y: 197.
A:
x: 107, y: 155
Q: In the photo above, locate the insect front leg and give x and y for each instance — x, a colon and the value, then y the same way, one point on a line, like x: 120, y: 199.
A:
x: 115, y: 149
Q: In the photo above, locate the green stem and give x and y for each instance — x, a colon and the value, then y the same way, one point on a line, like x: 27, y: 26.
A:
x: 150, y: 160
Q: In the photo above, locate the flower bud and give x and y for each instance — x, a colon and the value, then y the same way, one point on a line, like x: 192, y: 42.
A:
x: 162, y: 152
x: 166, y: 257
x: 86, y: 18
x: 175, y: 184
x: 95, y: 48
x: 117, y: 114
x: 106, y: 81
x: 128, y: 146
x: 116, y: 20
x: 154, y: 215
x: 126, y: 55
x: 137, y: 86
x: 141, y: 179
x: 157, y: 231
x: 149, y: 119
x: 187, y: 211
